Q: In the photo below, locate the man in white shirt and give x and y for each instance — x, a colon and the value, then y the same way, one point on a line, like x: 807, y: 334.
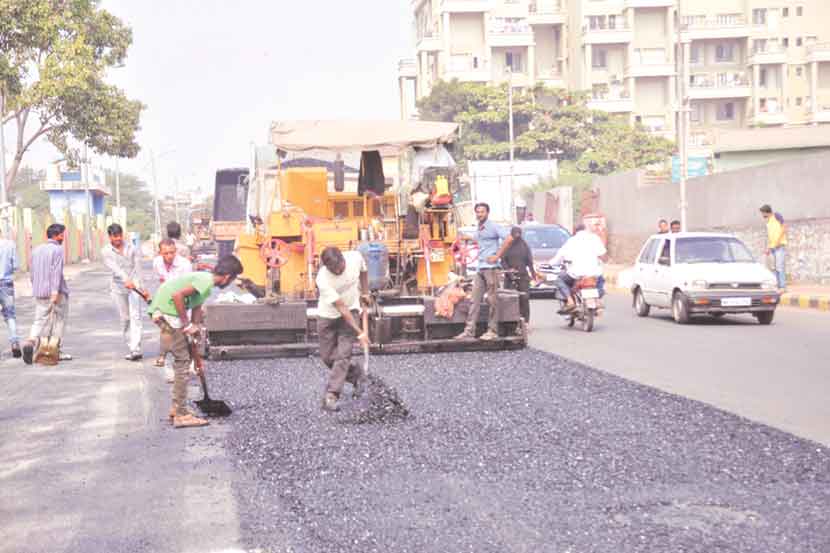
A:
x: 168, y: 265
x: 341, y: 281
x: 585, y: 253
x: 124, y: 260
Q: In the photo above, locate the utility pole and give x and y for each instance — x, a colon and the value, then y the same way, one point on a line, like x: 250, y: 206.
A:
x: 682, y: 115
x: 510, y: 130
x: 4, y: 198
x: 88, y: 225
x: 117, y: 185
x: 157, y: 223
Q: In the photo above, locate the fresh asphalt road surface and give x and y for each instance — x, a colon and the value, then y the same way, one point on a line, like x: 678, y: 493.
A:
x: 778, y: 375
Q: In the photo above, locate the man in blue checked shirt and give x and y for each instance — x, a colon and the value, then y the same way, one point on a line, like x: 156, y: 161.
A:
x: 8, y: 265
x: 493, y: 240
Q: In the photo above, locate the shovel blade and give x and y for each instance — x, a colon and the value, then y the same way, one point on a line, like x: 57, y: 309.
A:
x: 214, y: 407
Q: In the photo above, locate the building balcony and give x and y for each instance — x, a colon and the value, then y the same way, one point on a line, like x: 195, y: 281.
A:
x: 728, y: 25
x: 506, y: 33
x: 822, y: 115
x: 649, y: 62
x: 769, y: 55
x: 407, y: 69
x: 612, y: 104
x: 770, y: 116
x: 546, y: 12
x: 620, y: 33
x: 468, y: 68
x: 818, y: 52
x: 429, y: 42
x: 649, y: 3
x: 550, y: 77
x: 720, y: 85
x: 466, y: 6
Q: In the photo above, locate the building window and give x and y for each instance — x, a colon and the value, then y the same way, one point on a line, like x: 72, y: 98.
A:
x: 762, y: 104
x: 799, y: 71
x: 612, y: 21
x: 513, y: 60
x: 726, y: 111
x: 762, y: 77
x: 724, y: 52
x: 799, y: 11
x: 600, y: 59
x: 759, y: 16
x: 785, y: 42
x: 798, y: 101
x: 799, y: 41
x: 696, y: 113
x: 596, y: 22
x: 694, y: 54
x: 785, y: 12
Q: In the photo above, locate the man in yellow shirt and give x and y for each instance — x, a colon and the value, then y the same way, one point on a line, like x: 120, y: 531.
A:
x: 776, y: 243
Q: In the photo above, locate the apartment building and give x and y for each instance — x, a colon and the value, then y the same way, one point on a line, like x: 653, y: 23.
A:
x: 749, y: 62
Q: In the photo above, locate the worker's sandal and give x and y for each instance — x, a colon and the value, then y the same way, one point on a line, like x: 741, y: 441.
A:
x: 330, y: 402
x: 489, y: 336
x: 188, y: 420
x: 466, y: 335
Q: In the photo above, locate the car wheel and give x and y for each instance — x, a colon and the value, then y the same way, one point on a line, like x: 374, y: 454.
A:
x: 717, y: 315
x: 679, y: 309
x: 765, y: 317
x: 641, y: 308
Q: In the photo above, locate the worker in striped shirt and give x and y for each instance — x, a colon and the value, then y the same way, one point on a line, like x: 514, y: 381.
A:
x: 49, y: 291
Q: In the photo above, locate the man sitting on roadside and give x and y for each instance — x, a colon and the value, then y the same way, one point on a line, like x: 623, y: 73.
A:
x: 583, y: 255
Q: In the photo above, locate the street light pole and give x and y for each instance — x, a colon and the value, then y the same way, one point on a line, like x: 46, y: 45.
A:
x: 117, y: 185
x: 510, y: 131
x: 4, y: 198
x: 88, y: 225
x: 682, y: 116
x: 157, y: 223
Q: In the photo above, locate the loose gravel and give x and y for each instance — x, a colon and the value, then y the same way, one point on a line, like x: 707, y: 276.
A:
x: 509, y: 451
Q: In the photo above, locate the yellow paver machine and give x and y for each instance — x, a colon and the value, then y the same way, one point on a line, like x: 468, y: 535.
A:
x: 405, y: 226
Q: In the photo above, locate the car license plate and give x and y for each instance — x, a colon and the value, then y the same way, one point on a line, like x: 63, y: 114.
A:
x: 590, y: 293
x: 736, y: 302
x: 550, y: 277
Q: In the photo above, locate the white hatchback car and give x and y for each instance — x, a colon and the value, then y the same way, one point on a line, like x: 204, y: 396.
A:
x: 696, y: 273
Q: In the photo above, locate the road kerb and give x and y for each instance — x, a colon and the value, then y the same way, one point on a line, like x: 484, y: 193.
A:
x: 806, y: 301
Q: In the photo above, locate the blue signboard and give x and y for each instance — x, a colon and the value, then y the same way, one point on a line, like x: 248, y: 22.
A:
x: 697, y: 166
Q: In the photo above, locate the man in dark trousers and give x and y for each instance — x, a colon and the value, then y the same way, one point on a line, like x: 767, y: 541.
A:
x: 519, y: 258
x: 341, y: 281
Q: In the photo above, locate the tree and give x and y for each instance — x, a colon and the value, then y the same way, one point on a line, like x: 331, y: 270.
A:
x: 136, y: 197
x: 53, y: 58
x: 546, y: 122
x: 26, y: 191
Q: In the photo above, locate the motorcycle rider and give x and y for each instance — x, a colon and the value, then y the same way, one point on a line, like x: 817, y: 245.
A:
x: 584, y: 254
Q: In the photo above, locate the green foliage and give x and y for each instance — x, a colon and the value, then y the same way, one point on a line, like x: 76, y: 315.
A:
x: 53, y: 59
x: 547, y: 122
x: 137, y: 198
x: 26, y: 192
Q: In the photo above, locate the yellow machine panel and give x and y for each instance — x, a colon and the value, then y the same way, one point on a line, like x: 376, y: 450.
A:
x: 306, y: 188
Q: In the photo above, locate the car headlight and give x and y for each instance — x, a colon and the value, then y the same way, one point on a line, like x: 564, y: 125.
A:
x: 700, y: 284
x: 769, y: 285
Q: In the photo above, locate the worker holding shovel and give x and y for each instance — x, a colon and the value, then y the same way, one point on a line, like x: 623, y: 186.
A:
x: 341, y: 281
x: 169, y: 310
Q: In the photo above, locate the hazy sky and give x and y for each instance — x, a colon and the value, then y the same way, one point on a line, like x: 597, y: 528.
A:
x: 214, y: 73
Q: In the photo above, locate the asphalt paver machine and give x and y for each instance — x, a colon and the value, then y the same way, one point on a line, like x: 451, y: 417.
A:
x: 406, y: 231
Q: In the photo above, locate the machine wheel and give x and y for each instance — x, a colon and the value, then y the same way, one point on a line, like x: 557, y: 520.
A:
x: 679, y: 309
x: 588, y: 320
x: 765, y: 317
x: 641, y: 308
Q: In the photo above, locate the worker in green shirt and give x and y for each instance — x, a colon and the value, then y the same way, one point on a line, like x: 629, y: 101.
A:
x: 169, y: 309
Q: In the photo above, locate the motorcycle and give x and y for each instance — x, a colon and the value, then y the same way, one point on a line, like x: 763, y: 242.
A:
x: 586, y: 296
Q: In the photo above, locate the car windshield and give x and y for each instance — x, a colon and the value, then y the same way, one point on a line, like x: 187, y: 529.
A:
x: 549, y: 238
x: 712, y: 249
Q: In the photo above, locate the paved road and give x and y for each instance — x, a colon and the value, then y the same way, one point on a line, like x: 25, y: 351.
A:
x: 87, y: 462
x: 778, y: 375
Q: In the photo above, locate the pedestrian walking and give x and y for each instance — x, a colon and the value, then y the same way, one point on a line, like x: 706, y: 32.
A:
x: 124, y: 261
x: 174, y: 233
x: 50, y: 292
x: 8, y: 265
x: 519, y: 258
x: 341, y: 282
x: 662, y: 227
x: 493, y: 241
x: 169, y: 265
x: 169, y: 310
x: 776, y: 244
